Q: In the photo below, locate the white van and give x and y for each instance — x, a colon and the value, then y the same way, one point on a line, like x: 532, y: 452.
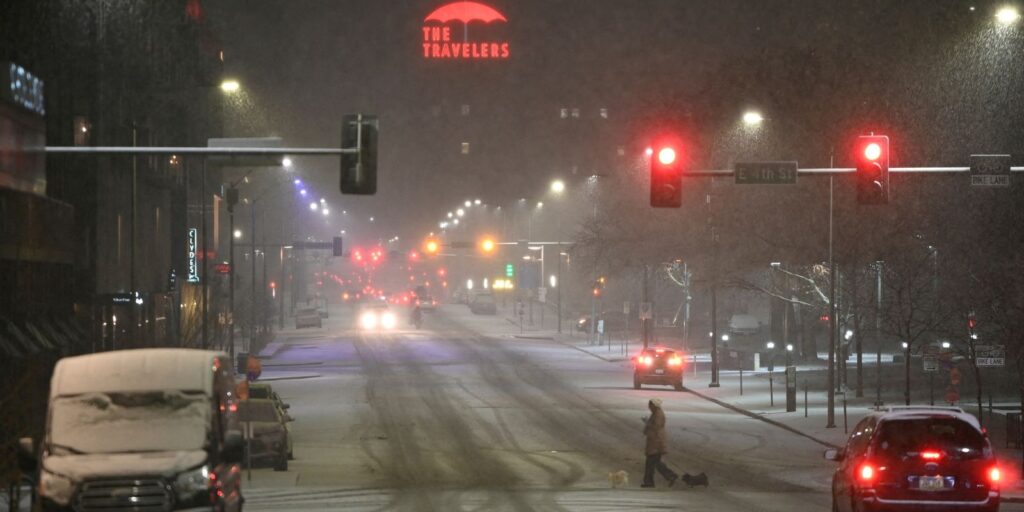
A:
x: 147, y: 429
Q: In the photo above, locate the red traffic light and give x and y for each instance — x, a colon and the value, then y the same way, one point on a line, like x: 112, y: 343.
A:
x: 972, y: 321
x: 667, y: 156
x: 873, y: 151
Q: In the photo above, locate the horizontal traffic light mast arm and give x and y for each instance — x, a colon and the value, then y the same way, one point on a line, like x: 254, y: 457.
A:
x: 824, y: 171
x: 205, y: 151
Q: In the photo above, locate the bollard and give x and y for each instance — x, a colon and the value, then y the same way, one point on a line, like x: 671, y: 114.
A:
x: 741, y: 381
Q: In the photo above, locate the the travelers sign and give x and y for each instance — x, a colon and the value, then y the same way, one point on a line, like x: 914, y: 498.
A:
x: 437, y: 33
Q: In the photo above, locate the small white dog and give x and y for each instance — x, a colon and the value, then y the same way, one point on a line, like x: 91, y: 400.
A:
x: 618, y: 479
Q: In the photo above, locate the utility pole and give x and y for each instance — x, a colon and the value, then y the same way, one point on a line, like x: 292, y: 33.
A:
x: 714, y: 297
x: 206, y: 253
x: 558, y: 289
x: 878, y: 334
x: 831, y: 420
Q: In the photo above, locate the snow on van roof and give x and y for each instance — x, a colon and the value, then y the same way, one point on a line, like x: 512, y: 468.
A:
x: 151, y: 369
x: 924, y: 411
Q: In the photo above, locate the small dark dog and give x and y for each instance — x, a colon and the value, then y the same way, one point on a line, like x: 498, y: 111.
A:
x: 694, y: 480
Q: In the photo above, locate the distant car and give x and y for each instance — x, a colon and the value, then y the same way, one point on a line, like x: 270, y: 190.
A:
x: 483, y: 304
x: 308, y: 317
x: 269, y: 431
x: 658, y: 365
x: 264, y: 391
x: 377, y: 316
x: 426, y: 303
x: 614, y: 321
x: 916, y: 458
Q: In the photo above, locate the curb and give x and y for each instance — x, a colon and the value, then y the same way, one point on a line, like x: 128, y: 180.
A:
x: 525, y: 337
x: 589, y: 353
x: 756, y: 416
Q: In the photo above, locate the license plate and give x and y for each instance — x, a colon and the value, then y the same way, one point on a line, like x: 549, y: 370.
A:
x: 659, y: 372
x: 931, y: 483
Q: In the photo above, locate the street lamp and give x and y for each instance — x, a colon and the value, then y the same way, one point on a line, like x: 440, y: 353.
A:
x: 460, y: 212
x: 752, y: 118
x: 314, y: 206
x: 558, y: 186
x: 771, y: 375
x: 238, y: 233
x: 230, y: 86
x: 468, y: 203
x: 286, y: 162
x: 325, y: 211
x: 1007, y: 15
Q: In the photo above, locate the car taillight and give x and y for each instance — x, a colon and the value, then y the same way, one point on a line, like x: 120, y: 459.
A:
x: 648, y: 360
x: 995, y: 475
x: 675, y: 361
x: 866, y: 474
x: 931, y: 455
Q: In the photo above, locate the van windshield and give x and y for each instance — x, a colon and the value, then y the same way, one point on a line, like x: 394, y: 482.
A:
x: 143, y: 422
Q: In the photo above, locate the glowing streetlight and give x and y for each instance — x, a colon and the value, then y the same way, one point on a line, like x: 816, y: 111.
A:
x: 238, y: 233
x: 945, y: 344
x: 540, y: 204
x: 303, y: 192
x: 460, y: 212
x: 770, y: 345
x: 313, y: 206
x: 468, y: 203
x: 1007, y: 15
x: 477, y: 202
x: 230, y: 86
x: 752, y: 118
x: 286, y: 162
x: 326, y: 212
x: 558, y: 186
x: 455, y: 222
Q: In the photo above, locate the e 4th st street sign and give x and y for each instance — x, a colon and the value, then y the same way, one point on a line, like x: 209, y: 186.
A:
x: 765, y: 173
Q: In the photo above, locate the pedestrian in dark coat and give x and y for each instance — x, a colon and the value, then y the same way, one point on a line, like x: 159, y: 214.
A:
x: 657, y: 445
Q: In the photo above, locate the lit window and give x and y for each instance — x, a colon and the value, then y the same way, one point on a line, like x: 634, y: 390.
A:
x: 82, y: 130
x: 465, y: 110
x: 604, y: 113
x: 465, y: 148
x: 565, y: 113
x: 576, y: 113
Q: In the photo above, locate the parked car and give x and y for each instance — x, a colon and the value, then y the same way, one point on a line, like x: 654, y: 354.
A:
x: 128, y: 429
x: 264, y: 391
x: 308, y: 317
x: 269, y: 427
x: 658, y: 365
x: 483, y: 304
x: 916, y: 458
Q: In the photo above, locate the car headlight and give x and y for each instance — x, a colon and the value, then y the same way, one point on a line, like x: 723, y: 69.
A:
x: 193, y: 482
x: 388, y: 320
x: 368, y: 320
x: 56, y: 488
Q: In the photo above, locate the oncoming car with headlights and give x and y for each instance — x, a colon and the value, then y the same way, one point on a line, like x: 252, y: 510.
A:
x: 147, y: 429
x: 377, y: 316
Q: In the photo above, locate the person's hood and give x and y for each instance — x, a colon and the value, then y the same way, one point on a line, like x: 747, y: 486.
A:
x: 87, y: 466
x: 656, y: 402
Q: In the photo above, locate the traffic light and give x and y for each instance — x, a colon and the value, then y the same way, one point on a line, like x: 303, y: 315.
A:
x: 872, y: 156
x: 487, y: 245
x: 598, y: 287
x: 431, y: 246
x: 666, y: 175
x: 359, y: 168
x: 338, y: 247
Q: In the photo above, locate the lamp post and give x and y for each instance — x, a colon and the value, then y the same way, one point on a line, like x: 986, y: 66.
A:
x: 771, y: 375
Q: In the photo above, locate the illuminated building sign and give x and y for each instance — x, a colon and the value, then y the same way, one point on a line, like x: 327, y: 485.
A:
x: 193, y: 264
x: 22, y: 88
x: 437, y: 33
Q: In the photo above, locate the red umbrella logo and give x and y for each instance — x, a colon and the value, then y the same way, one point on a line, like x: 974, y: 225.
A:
x: 465, y: 12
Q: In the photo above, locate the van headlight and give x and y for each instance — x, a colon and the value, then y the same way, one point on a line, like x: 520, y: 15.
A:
x: 368, y: 320
x: 56, y: 488
x: 193, y: 482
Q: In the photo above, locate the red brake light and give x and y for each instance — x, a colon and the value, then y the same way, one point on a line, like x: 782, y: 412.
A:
x: 866, y: 473
x: 930, y: 455
x: 675, y: 361
x: 995, y: 475
x: 648, y: 360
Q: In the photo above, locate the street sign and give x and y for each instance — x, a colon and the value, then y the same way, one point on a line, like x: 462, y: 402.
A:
x: 765, y: 173
x: 931, y: 363
x: 990, y: 170
x: 990, y: 355
x: 193, y: 248
x: 645, y: 311
x: 600, y: 326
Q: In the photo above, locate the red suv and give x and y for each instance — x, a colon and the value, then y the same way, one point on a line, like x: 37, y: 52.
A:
x: 658, y: 366
x: 916, y: 458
